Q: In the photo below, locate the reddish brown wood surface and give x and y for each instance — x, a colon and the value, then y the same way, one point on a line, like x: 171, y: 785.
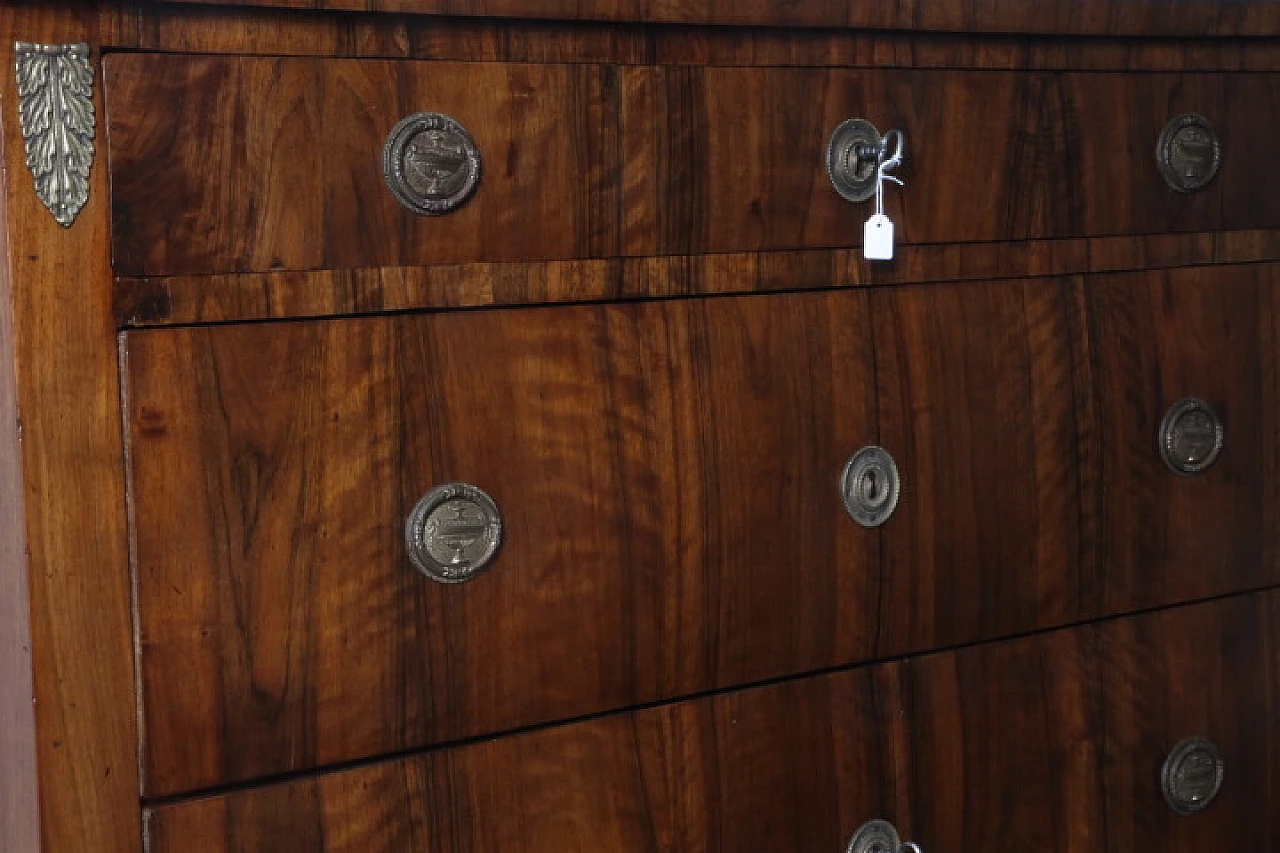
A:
x: 1158, y: 338
x: 698, y: 440
x: 1095, y: 17
x: 1051, y: 743
x: 667, y: 474
x: 731, y: 159
x: 712, y: 160
x: 201, y: 299
x: 60, y: 453
x: 978, y: 389
x: 234, y: 164
x: 209, y: 29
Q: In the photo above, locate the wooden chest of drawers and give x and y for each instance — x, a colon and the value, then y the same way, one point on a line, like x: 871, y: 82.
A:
x: 647, y: 352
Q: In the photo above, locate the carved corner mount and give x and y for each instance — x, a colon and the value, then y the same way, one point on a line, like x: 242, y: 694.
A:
x: 55, y: 108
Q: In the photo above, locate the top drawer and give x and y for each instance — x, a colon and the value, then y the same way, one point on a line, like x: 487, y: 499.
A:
x: 237, y: 164
x: 228, y: 164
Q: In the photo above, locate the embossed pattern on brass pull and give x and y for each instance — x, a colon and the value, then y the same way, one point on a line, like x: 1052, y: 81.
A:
x: 879, y: 836
x: 870, y: 486
x: 1189, y: 153
x: 853, y: 155
x: 430, y: 164
x: 453, y: 533
x: 1191, y: 437
x: 1192, y: 775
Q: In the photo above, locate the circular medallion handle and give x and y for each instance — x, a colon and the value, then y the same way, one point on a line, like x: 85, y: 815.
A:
x: 1192, y: 775
x: 1191, y: 437
x: 430, y: 164
x: 453, y: 533
x: 1189, y: 153
x: 879, y: 836
x: 870, y: 486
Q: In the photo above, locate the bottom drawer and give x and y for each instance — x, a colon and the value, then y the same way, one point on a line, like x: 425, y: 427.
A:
x: 1049, y: 743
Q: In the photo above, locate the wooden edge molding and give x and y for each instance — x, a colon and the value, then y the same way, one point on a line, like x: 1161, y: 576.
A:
x: 185, y: 300
x: 192, y: 28
x: 69, y: 474
x: 1088, y: 17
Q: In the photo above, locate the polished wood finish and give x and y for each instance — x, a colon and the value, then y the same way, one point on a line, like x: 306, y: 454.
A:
x: 702, y: 440
x: 1159, y: 337
x: 667, y: 474
x: 224, y: 164
x: 731, y: 159
x: 68, y: 703
x: 1093, y: 17
x: 712, y: 160
x: 66, y: 541
x: 978, y: 392
x: 149, y: 26
x: 262, y: 296
x: 1049, y: 743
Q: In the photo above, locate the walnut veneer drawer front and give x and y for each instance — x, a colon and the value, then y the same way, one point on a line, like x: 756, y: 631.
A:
x: 1053, y: 743
x: 233, y: 164
x: 668, y: 479
x: 732, y: 159
x: 666, y: 475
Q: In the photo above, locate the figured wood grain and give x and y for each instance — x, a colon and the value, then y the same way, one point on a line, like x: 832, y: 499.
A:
x: 260, y: 296
x: 61, y: 449
x: 712, y: 160
x: 1093, y: 17
x: 732, y: 159
x: 225, y: 164
x: 206, y: 29
x: 978, y: 388
x: 667, y: 474
x: 1157, y: 338
x: 1049, y: 743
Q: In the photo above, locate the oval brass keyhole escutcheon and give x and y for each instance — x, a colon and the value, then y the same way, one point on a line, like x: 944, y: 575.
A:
x: 1191, y: 437
x: 453, y: 533
x: 1192, y: 775
x: 870, y: 486
x: 1189, y: 153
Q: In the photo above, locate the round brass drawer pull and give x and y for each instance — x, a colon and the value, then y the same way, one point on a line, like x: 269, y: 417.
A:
x: 879, y: 836
x: 1191, y: 437
x: 430, y: 164
x: 1192, y: 775
x: 453, y: 533
x: 1189, y: 153
x: 870, y: 486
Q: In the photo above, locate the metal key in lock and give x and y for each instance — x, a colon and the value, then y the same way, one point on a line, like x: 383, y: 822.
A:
x: 858, y: 162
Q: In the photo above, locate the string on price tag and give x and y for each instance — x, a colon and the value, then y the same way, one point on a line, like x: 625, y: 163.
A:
x: 877, y: 234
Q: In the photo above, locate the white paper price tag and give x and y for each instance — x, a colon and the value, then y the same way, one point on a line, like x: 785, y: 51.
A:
x: 877, y: 238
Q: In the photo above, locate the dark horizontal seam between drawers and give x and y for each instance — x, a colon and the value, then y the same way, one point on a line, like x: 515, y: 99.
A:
x: 1011, y: 275
x: 408, y: 754
x: 1012, y: 242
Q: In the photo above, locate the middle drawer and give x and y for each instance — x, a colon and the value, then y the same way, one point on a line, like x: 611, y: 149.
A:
x: 668, y: 479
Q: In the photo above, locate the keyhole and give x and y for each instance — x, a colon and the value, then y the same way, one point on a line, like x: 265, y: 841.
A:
x: 871, y: 487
